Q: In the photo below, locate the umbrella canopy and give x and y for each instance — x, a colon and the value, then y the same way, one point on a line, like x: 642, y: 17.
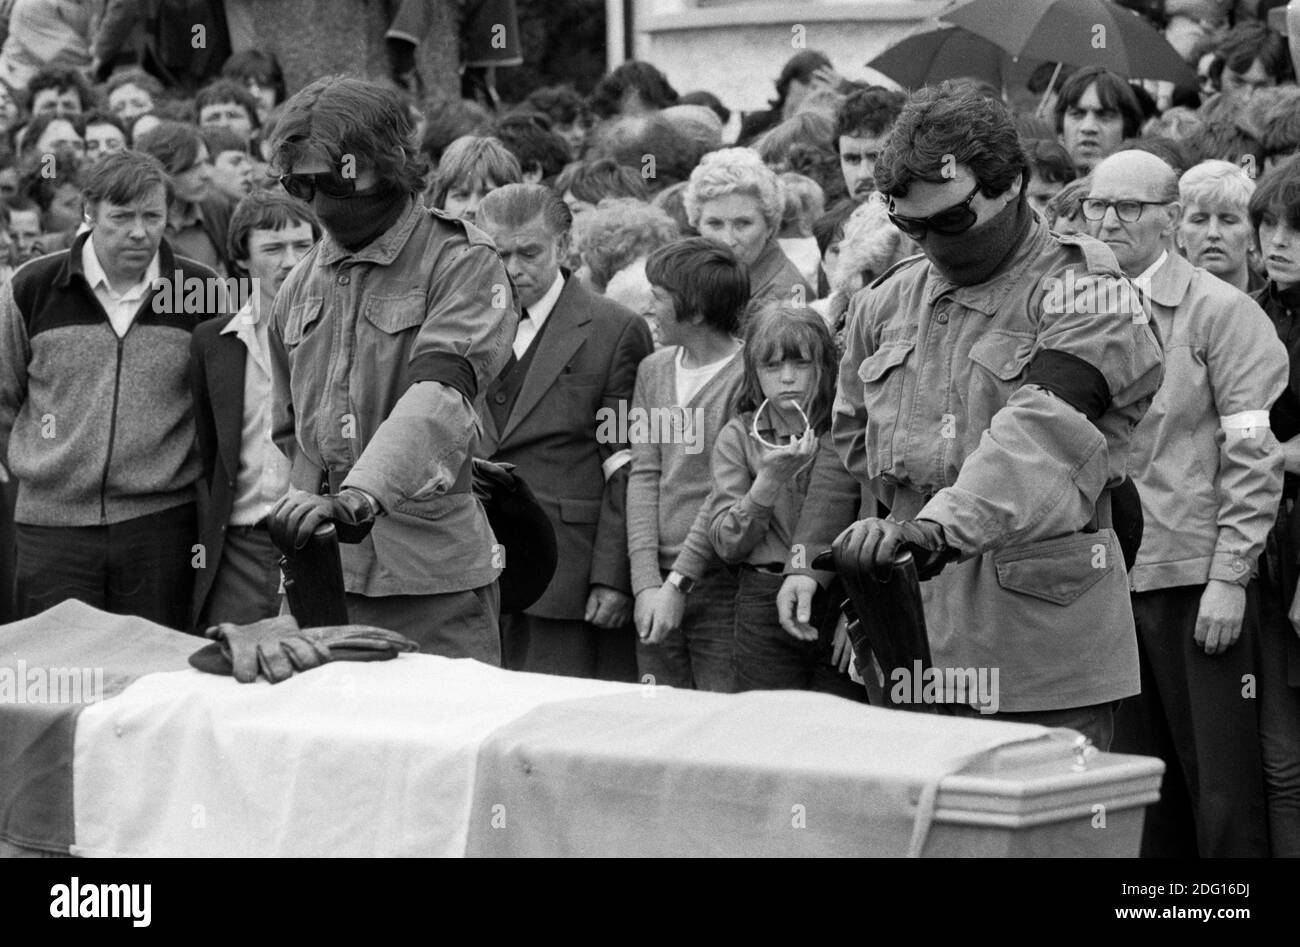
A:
x: 1076, y: 32
x: 948, y: 52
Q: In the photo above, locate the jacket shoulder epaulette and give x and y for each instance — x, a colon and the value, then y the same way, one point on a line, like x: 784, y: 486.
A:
x: 1098, y: 257
x: 473, y: 234
x: 905, y: 262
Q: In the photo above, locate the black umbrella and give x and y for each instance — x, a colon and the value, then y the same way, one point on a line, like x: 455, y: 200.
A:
x: 948, y: 52
x: 1078, y: 33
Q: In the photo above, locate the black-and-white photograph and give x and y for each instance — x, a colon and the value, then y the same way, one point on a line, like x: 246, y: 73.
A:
x: 720, y: 428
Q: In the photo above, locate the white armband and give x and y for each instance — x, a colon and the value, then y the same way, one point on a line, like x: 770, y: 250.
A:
x: 614, y: 461
x: 1247, y: 424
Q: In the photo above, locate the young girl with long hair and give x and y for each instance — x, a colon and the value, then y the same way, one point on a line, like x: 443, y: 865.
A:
x: 762, y: 463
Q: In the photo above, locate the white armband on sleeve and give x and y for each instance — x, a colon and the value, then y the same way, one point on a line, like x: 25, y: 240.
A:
x: 614, y: 462
x: 1247, y: 424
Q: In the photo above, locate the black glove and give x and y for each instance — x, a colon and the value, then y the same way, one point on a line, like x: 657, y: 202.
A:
x: 875, y: 543
x: 277, y: 648
x: 299, y: 513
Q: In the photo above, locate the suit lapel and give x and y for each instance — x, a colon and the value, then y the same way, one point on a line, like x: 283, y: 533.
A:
x: 563, y: 336
x: 226, y: 366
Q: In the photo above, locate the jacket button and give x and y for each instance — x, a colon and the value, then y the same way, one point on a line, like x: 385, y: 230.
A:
x: 344, y: 280
x: 941, y: 318
x: 1238, y: 566
x: 499, y: 398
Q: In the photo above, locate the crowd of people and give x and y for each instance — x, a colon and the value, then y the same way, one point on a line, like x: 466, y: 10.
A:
x: 708, y: 358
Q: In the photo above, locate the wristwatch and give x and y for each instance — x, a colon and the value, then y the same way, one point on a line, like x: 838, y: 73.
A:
x: 682, y: 583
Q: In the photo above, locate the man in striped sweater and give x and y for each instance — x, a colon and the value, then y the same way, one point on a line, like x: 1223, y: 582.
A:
x: 95, y: 409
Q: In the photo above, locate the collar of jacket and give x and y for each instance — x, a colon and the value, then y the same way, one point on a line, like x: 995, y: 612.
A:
x: 1169, y: 283
x: 987, y: 297
x: 767, y: 263
x: 72, y: 262
x: 382, y: 250
x: 1286, y: 298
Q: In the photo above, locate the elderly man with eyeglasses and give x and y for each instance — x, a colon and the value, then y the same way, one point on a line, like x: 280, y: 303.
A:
x: 1209, y: 473
x: 986, y: 396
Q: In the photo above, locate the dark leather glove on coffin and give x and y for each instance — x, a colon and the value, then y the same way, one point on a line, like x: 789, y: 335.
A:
x: 276, y: 648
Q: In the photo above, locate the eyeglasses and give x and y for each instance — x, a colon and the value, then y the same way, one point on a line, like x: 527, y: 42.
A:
x: 304, y: 186
x: 951, y: 221
x: 1094, y: 208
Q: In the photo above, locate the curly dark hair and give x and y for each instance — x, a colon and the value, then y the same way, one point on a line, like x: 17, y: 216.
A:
x: 529, y: 137
x: 798, y: 68
x: 561, y: 103
x: 337, y: 116
x: 952, y: 124
x: 869, y: 111
x: 648, y: 82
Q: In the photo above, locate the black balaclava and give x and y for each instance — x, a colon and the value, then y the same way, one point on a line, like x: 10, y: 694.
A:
x: 357, y: 219
x: 972, y: 257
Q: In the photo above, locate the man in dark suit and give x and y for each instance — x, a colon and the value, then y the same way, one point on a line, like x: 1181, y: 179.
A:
x: 575, y: 359
x: 243, y: 471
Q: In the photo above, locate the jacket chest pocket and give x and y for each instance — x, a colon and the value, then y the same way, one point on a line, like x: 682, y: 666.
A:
x: 883, y: 375
x: 1057, y: 571
x: 998, y: 363
x: 393, y: 315
x: 303, y: 318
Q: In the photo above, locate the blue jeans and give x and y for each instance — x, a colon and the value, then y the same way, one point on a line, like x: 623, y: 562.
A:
x: 769, y: 658
x: 701, y: 653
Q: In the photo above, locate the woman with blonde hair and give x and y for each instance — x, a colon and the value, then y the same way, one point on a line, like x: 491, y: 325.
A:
x: 735, y: 200
x: 1214, y: 231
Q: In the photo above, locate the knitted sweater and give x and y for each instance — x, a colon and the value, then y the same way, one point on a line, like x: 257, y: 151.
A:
x: 670, y: 468
x: 97, y: 429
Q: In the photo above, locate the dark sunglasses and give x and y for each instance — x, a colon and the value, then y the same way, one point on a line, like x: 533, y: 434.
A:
x: 950, y: 221
x: 305, y: 186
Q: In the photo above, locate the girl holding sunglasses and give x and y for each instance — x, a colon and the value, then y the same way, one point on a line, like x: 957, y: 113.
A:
x: 762, y: 464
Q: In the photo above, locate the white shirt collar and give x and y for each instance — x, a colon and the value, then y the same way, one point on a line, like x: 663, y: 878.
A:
x: 96, y: 276
x: 539, y: 310
x: 1143, y: 279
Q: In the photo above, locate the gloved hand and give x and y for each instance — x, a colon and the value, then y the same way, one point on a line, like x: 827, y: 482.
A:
x: 277, y: 648
x: 874, y: 544
x: 299, y: 513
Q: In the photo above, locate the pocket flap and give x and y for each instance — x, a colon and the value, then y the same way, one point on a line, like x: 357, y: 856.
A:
x: 1057, y: 570
x: 1003, y: 355
x: 393, y: 314
x: 875, y: 365
x: 580, y: 511
x: 302, y: 316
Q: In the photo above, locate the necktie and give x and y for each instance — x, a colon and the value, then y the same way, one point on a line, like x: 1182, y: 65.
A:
x: 525, y: 334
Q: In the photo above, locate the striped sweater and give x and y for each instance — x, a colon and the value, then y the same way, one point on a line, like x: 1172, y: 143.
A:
x: 97, y: 429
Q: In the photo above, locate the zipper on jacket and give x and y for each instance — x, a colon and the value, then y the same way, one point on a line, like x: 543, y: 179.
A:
x: 112, y: 433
